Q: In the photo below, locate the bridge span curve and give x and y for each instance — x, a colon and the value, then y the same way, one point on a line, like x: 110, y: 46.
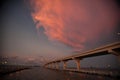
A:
x: 113, y: 48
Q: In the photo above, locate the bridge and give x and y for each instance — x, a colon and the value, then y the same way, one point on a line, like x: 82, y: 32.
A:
x: 113, y: 48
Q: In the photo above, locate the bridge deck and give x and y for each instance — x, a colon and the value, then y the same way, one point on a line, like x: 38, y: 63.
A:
x: 95, y: 52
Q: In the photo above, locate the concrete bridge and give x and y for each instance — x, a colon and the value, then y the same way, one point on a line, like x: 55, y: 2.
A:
x: 113, y: 48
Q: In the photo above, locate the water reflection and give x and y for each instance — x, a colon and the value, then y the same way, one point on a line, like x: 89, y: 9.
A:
x: 47, y: 74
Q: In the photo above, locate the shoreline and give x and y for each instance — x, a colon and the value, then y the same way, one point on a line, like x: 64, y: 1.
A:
x: 12, y: 69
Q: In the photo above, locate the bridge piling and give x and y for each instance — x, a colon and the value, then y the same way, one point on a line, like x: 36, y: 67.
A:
x: 52, y: 66
x: 77, y: 63
x: 64, y: 65
x: 57, y: 65
x: 115, y: 53
x: 113, y: 48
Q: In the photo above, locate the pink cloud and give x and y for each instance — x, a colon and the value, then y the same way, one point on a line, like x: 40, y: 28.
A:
x: 75, y: 22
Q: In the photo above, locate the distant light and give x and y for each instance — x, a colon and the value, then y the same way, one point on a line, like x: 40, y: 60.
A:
x: 118, y: 33
x: 5, y: 62
x: 108, y: 65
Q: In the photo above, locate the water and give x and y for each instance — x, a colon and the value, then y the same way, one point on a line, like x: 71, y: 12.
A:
x: 38, y: 73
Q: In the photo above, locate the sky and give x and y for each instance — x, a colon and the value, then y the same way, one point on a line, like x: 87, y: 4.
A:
x: 36, y: 29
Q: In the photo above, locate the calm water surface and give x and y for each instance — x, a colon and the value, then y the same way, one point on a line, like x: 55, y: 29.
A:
x: 38, y: 73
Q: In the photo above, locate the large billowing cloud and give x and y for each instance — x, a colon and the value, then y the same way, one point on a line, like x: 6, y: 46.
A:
x: 75, y: 22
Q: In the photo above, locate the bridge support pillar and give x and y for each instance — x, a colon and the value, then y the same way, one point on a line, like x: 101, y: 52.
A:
x: 49, y: 66
x: 64, y: 65
x: 52, y: 65
x: 57, y: 65
x: 46, y: 66
x: 77, y: 63
x: 119, y: 58
x: 115, y: 53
